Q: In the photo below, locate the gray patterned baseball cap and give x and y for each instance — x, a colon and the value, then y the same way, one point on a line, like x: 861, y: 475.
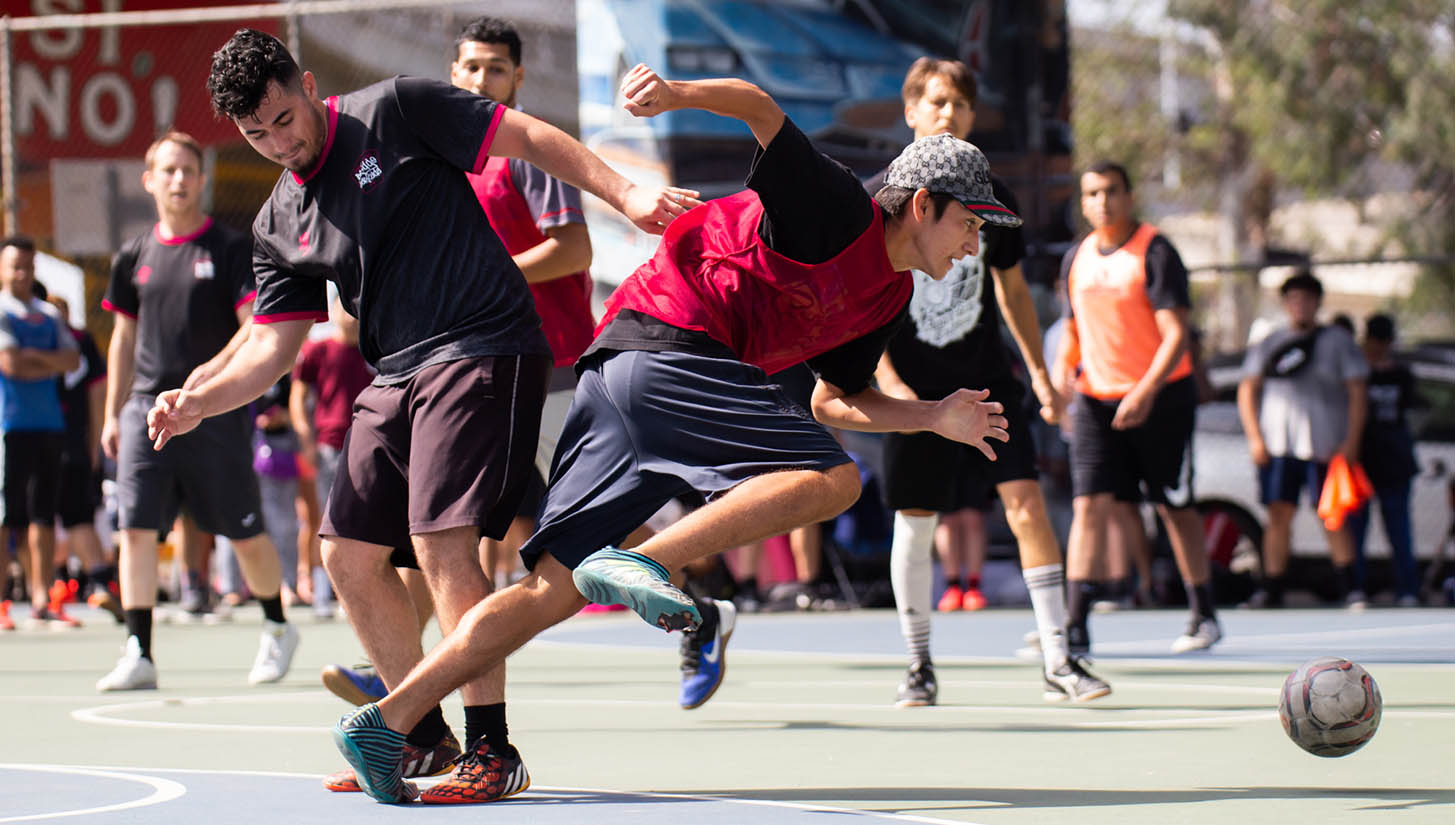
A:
x: 946, y: 165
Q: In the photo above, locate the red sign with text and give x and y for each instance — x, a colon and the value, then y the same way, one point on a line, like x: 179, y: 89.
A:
x: 109, y: 92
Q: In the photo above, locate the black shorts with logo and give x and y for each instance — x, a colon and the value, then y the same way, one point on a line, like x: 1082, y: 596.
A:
x: 1157, y: 456
x: 208, y: 472
x: 646, y: 427
x: 30, y: 474
x: 453, y: 446
x: 925, y: 471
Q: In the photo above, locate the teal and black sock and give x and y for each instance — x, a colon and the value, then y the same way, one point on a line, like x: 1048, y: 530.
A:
x: 139, y: 624
x: 429, y: 731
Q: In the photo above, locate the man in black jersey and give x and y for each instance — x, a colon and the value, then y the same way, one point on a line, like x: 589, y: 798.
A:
x: 182, y: 296
x: 954, y: 338
x: 374, y: 198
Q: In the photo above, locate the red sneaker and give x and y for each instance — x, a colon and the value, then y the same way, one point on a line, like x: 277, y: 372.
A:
x: 973, y: 599
x: 417, y: 762
x: 6, y: 623
x: 952, y: 599
x: 481, y: 775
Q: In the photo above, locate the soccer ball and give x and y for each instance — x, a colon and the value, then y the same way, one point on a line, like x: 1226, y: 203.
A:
x: 1330, y: 706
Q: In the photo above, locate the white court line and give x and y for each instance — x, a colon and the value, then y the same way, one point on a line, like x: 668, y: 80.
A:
x: 180, y: 790
x: 163, y: 790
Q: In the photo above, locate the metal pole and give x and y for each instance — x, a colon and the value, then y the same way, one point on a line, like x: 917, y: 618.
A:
x: 295, y: 45
x: 7, y: 131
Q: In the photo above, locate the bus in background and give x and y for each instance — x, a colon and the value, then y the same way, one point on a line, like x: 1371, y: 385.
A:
x: 836, y: 67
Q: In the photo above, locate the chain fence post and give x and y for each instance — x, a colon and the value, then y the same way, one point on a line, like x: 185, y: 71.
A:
x: 7, y: 130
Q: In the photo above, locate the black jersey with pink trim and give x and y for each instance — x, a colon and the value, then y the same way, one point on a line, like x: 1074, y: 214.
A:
x: 388, y: 215
x: 183, y: 293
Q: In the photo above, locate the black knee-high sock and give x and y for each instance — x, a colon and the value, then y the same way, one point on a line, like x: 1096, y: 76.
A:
x: 430, y: 730
x: 139, y: 624
x: 488, y: 721
x: 1343, y: 580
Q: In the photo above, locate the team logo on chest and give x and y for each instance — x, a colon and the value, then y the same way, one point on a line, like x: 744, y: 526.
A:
x: 947, y: 310
x: 203, y: 270
x: 368, y: 172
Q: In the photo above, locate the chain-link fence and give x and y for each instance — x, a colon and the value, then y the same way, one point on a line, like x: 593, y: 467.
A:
x: 83, y: 95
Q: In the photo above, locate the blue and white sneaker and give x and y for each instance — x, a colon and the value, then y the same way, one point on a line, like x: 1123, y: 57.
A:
x: 612, y: 576
x: 704, y: 660
x: 374, y: 752
x: 357, y: 685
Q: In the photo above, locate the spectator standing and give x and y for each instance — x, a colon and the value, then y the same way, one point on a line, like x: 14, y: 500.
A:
x: 1388, y: 456
x: 36, y: 346
x: 1302, y: 400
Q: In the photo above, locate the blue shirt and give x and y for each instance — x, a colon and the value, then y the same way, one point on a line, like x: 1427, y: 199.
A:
x: 31, y: 406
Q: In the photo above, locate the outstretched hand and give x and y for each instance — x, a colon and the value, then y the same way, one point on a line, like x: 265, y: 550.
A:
x: 176, y: 412
x: 966, y: 416
x: 652, y: 208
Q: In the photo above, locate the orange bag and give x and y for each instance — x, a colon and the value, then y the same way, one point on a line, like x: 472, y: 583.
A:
x: 1346, y: 488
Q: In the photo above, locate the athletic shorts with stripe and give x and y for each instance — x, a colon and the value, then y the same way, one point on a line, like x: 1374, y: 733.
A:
x: 925, y: 471
x: 208, y: 472
x: 646, y: 427
x: 1157, y: 455
x: 452, y: 446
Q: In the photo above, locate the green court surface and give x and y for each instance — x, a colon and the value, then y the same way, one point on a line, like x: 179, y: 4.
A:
x: 804, y: 722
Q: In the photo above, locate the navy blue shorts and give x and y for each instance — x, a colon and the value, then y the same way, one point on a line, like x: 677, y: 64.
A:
x: 1285, y: 476
x: 646, y: 427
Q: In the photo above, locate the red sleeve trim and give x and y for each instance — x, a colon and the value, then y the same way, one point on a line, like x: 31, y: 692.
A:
x: 484, y: 152
x: 246, y: 299
x: 566, y: 211
x: 279, y: 317
x: 110, y: 307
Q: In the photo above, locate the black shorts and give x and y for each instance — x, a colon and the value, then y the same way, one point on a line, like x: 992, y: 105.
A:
x: 925, y: 471
x: 453, y: 446
x: 30, y: 474
x: 80, y: 493
x: 208, y: 471
x: 646, y: 427
x: 1155, y: 457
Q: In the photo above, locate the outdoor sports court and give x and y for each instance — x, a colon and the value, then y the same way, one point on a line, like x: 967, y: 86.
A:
x: 803, y: 730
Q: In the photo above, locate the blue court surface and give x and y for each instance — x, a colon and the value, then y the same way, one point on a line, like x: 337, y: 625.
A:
x: 804, y: 729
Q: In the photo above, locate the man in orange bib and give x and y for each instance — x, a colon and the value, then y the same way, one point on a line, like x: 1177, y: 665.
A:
x: 1136, y: 396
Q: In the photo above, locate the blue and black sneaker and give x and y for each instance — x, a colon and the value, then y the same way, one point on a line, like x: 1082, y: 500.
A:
x: 612, y: 576
x: 357, y: 685
x: 373, y: 750
x: 704, y: 659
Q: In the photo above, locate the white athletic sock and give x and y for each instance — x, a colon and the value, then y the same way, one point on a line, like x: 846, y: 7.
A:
x: 1048, y: 601
x: 911, y: 572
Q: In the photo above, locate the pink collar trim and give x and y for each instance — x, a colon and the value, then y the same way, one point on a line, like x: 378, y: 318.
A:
x: 332, y: 105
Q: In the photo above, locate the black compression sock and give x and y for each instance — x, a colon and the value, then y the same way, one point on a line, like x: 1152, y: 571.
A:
x: 139, y: 624
x: 488, y: 721
x: 1200, y: 598
x: 273, y: 609
x: 1079, y: 596
x: 429, y: 731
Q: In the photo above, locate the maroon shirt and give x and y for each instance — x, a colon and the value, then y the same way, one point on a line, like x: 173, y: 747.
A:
x: 338, y: 373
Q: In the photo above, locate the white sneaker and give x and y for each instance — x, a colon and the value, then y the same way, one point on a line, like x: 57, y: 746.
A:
x: 132, y: 672
x: 275, y: 652
x: 1357, y: 602
x: 1201, y: 635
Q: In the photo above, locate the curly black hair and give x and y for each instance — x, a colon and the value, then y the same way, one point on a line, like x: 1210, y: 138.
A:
x: 490, y: 30
x: 242, y: 69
